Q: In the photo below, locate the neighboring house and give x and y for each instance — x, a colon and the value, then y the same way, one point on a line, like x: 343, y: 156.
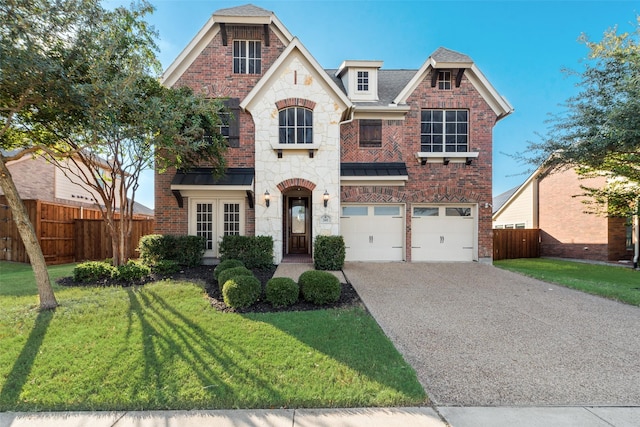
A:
x: 38, y: 179
x: 553, y: 203
x: 398, y: 162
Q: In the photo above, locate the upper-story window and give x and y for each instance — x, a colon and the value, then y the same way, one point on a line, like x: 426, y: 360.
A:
x: 444, y: 80
x: 444, y: 131
x: 295, y: 126
x: 370, y: 133
x: 362, y: 81
x: 247, y: 57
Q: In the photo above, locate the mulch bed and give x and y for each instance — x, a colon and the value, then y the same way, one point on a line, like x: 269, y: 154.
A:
x: 203, y: 275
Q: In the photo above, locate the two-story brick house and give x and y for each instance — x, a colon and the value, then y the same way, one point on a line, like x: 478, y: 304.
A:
x: 399, y: 162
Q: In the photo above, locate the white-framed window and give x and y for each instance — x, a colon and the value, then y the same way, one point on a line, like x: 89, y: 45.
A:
x: 247, y: 57
x: 295, y: 125
x: 204, y: 223
x: 426, y: 211
x: 444, y: 80
x: 444, y: 131
x: 362, y: 81
x: 231, y: 219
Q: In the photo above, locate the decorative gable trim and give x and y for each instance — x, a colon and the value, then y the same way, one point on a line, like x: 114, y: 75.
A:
x: 274, y: 71
x: 451, y: 60
x: 216, y: 24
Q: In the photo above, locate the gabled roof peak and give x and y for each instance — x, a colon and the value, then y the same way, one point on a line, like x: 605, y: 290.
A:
x: 443, y: 54
x: 244, y: 10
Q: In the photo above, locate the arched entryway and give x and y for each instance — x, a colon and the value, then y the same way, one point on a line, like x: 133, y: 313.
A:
x: 297, y: 222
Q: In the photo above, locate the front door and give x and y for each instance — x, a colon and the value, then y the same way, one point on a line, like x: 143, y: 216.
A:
x: 298, y: 225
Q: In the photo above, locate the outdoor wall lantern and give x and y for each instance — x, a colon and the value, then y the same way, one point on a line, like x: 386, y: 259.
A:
x: 325, y: 197
x: 267, y: 198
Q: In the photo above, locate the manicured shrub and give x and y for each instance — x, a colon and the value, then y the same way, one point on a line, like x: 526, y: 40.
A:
x: 328, y: 253
x: 185, y: 250
x: 154, y: 248
x: 253, y: 251
x: 231, y: 273
x: 282, y: 291
x: 165, y: 267
x: 241, y: 291
x: 131, y: 271
x: 189, y: 250
x: 227, y: 263
x: 319, y: 287
x: 92, y: 271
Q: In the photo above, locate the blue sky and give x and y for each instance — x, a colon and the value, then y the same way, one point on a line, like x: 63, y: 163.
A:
x: 520, y: 46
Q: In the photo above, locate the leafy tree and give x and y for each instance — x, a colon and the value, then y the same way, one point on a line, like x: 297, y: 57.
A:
x: 35, y: 42
x: 76, y: 85
x: 126, y: 118
x: 599, y: 134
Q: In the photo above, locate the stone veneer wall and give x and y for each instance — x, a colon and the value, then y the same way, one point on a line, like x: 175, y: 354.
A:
x: 297, y: 80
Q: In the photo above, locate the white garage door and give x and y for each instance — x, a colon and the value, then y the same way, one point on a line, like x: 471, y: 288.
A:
x: 443, y: 233
x: 373, y: 233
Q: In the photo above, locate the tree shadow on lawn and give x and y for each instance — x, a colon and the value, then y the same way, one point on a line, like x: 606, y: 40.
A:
x: 165, y: 337
x: 17, y: 378
x: 353, y: 338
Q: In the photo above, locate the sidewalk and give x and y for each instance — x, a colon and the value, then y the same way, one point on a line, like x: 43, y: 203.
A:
x: 365, y: 417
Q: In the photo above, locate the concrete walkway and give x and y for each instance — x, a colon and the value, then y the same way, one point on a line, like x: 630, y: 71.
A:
x: 367, y: 417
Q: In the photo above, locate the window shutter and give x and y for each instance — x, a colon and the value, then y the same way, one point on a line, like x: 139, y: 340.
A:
x: 233, y: 105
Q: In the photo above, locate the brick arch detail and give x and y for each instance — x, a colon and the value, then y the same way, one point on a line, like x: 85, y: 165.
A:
x: 295, y: 102
x: 295, y: 182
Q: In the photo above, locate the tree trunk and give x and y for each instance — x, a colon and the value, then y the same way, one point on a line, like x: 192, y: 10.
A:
x: 29, y: 238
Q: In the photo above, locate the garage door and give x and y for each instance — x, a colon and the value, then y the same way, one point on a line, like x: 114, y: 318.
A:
x: 373, y: 233
x: 443, y: 233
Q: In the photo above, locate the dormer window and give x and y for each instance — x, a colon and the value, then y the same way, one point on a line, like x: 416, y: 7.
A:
x: 363, y: 81
x: 444, y: 80
x: 247, y: 57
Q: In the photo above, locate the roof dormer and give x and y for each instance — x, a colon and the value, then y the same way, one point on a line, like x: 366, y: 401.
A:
x: 360, y: 79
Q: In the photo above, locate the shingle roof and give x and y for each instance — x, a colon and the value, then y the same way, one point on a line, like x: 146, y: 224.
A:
x: 204, y: 176
x: 447, y: 55
x: 373, y: 169
x: 390, y: 83
x: 244, y: 10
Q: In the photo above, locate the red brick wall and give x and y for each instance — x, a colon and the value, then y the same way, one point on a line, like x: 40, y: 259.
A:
x: 212, y: 72
x: 567, y: 231
x: 433, y: 182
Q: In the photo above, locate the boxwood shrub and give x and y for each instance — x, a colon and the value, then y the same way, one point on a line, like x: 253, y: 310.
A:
x: 131, y: 271
x: 328, y: 253
x: 319, y: 287
x: 230, y: 273
x: 165, y: 267
x: 241, y: 291
x: 92, y: 271
x: 185, y: 250
x: 253, y: 251
x: 282, y: 291
x: 227, y: 263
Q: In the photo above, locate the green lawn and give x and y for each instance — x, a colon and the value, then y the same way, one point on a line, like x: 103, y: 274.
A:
x: 162, y: 346
x: 622, y: 284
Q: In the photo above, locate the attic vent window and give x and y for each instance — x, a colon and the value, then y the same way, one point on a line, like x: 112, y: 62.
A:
x: 247, y: 57
x: 363, y: 81
x: 444, y: 80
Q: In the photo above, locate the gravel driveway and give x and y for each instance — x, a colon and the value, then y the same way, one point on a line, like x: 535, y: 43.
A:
x: 480, y: 336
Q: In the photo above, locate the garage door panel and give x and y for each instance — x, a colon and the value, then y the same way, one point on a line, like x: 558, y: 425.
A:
x: 378, y: 236
x: 441, y: 234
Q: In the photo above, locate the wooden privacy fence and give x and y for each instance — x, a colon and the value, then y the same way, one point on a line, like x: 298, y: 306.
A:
x: 513, y: 243
x: 56, y: 228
